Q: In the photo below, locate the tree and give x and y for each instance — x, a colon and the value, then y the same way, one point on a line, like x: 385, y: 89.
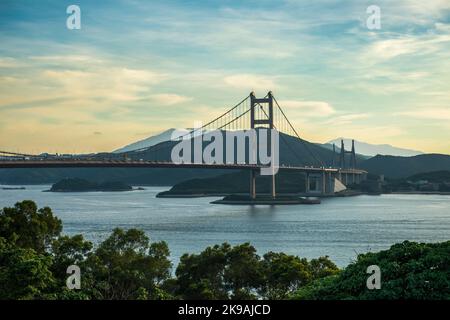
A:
x: 127, y: 266
x: 409, y: 270
x: 282, y: 274
x: 322, y: 267
x: 242, y: 274
x: 68, y: 251
x: 219, y: 272
x: 24, y: 273
x: 27, y: 227
x: 201, y: 276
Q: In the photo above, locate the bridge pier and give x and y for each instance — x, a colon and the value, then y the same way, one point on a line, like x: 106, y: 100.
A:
x: 306, y: 182
x: 252, y: 184
x: 272, y: 186
x: 330, y: 183
x: 324, y: 190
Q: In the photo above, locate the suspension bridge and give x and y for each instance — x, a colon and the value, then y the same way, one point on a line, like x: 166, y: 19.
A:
x: 250, y: 113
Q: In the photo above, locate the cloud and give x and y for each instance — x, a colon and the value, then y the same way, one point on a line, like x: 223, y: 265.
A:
x: 169, y: 99
x: 430, y: 113
x: 346, y: 119
x: 308, y: 108
x: 104, y: 82
x: 163, y: 53
x: 65, y: 59
x: 250, y: 82
x: 8, y: 62
x: 386, y: 49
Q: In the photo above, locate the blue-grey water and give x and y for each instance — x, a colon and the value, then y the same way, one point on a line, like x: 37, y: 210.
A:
x: 339, y: 227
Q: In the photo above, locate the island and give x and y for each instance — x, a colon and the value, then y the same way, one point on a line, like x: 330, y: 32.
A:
x: 82, y: 185
x: 266, y: 199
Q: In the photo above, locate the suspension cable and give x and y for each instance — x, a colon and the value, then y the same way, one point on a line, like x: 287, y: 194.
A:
x: 298, y: 136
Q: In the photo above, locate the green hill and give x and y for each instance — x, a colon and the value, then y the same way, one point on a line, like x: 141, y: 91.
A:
x: 239, y: 182
x: 402, y: 167
x: 82, y: 185
x: 434, y: 176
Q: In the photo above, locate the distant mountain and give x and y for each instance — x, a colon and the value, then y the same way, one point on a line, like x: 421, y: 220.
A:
x: 148, y: 142
x: 374, y: 149
x: 402, y: 167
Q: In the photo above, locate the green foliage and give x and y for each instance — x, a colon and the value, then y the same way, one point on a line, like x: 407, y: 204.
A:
x: 201, y: 276
x: 219, y: 272
x: 226, y: 272
x: 409, y: 270
x: 286, y: 273
x: 24, y: 273
x: 127, y: 266
x: 68, y: 251
x: 27, y: 227
x: 34, y: 258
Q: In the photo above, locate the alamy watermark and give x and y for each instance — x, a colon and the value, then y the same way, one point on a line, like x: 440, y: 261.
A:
x: 74, y: 20
x: 374, y: 280
x: 373, y: 22
x: 252, y: 147
x: 74, y: 280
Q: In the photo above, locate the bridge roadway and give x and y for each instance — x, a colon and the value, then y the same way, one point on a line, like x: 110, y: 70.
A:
x: 82, y: 163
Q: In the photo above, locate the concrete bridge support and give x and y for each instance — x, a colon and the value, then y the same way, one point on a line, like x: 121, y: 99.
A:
x: 314, y: 183
x: 306, y: 182
x: 324, y: 183
x: 253, y: 184
x: 252, y: 181
x: 272, y: 186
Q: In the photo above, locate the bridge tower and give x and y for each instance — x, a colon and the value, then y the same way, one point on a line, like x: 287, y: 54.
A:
x: 265, y: 104
x: 261, y: 102
x: 352, y: 164
x: 334, y: 156
x: 353, y: 155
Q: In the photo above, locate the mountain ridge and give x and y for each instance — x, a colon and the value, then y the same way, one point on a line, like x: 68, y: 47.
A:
x: 370, y: 149
x: 401, y: 167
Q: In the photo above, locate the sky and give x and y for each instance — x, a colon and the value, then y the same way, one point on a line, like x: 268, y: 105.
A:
x: 136, y: 68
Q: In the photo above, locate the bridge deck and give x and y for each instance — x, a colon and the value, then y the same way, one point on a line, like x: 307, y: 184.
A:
x: 10, y: 164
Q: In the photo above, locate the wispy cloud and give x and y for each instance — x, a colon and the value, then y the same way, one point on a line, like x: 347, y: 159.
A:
x: 442, y: 114
x: 169, y: 99
x: 308, y: 108
x: 250, y: 82
x: 346, y: 119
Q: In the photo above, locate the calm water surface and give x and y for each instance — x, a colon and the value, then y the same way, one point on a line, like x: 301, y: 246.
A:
x: 339, y: 227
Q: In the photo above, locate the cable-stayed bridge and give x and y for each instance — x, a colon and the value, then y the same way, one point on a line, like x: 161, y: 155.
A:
x: 249, y: 113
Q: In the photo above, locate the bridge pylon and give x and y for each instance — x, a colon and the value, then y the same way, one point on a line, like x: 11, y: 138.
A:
x: 261, y: 102
x: 266, y: 105
x: 352, y: 164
